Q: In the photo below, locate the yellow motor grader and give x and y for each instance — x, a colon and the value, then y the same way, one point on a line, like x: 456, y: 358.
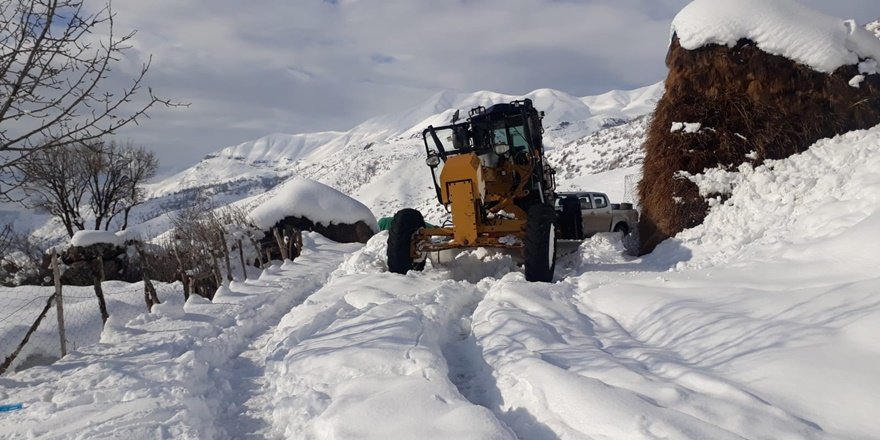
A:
x: 491, y: 175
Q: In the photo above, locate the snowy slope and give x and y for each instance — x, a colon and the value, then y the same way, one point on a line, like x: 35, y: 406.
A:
x: 379, y: 162
x: 759, y: 324
x: 567, y: 118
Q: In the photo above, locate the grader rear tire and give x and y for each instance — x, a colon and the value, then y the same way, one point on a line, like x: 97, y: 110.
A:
x: 400, y: 237
x: 540, y: 244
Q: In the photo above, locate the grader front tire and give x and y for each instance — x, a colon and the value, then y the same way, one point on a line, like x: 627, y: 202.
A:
x: 540, y: 244
x: 400, y: 240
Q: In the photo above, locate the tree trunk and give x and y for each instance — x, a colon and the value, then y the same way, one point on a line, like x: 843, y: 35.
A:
x: 241, y: 259
x: 218, y: 276
x: 192, y: 285
x: 285, y: 255
x: 98, y: 273
x: 184, y: 279
x: 258, y: 251
x: 59, y: 303
x: 125, y: 213
x: 150, y: 296
x: 226, y: 256
x: 298, y: 241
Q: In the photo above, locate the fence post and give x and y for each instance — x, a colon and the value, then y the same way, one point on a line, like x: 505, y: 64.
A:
x: 59, y: 302
x: 241, y: 257
x: 98, y: 275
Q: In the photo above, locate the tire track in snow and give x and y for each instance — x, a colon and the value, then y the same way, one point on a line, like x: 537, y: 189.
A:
x: 370, y: 344
x: 239, y: 384
x: 468, y: 369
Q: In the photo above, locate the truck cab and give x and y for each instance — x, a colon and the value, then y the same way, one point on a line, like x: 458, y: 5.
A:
x: 583, y: 214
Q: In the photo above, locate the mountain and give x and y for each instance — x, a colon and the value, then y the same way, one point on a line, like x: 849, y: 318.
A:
x: 380, y: 161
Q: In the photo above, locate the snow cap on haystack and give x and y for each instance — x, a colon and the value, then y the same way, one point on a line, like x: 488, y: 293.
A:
x: 778, y: 27
x: 305, y: 198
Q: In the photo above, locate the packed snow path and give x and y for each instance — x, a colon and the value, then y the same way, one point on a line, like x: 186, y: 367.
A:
x: 184, y: 371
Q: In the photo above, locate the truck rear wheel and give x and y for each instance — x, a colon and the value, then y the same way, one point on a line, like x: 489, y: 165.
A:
x: 400, y: 240
x: 622, y: 227
x: 540, y: 244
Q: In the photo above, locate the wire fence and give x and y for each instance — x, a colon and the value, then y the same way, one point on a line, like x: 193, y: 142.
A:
x: 31, y: 332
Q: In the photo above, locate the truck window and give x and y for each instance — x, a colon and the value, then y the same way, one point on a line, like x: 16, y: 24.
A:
x: 600, y: 201
x: 585, y: 203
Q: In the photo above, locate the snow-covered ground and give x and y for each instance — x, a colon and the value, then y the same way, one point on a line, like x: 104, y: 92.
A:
x: 761, y: 323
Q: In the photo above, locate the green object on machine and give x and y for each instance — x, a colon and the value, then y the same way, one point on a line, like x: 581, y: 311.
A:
x: 385, y: 223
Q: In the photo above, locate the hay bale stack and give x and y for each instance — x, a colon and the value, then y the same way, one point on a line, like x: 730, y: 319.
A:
x: 752, y: 106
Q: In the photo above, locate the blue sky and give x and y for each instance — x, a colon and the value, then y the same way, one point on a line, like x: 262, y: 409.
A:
x: 263, y: 66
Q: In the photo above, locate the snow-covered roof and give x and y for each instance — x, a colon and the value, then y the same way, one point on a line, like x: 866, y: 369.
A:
x: 88, y: 238
x: 301, y: 197
x: 778, y: 27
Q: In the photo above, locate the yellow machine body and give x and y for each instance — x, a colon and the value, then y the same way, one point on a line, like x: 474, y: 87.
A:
x: 466, y: 185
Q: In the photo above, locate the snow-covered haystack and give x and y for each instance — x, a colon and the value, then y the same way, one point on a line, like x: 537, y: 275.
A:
x: 749, y: 81
x: 308, y: 205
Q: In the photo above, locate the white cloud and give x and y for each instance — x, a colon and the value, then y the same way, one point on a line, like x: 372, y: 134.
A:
x: 261, y: 66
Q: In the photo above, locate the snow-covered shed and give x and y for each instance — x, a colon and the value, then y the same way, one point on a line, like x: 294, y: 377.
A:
x: 308, y: 205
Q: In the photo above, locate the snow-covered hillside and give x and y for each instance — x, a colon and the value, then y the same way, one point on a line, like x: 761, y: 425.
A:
x: 761, y: 323
x: 380, y: 162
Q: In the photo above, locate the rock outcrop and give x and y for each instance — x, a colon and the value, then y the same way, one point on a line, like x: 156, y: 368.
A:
x: 750, y: 106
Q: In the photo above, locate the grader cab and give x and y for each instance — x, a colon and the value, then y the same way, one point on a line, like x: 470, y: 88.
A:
x: 491, y: 175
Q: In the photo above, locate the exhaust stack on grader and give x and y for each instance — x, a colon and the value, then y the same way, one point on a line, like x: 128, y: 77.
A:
x: 491, y: 175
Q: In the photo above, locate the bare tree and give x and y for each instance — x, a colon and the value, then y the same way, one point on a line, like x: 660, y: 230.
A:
x: 237, y: 228
x: 196, y: 245
x: 55, y: 180
x: 97, y: 178
x: 21, y: 257
x: 140, y: 166
x: 54, y: 70
x: 115, y: 177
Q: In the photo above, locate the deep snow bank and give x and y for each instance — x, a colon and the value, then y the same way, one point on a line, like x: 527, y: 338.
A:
x: 775, y: 295
x: 764, y: 327
x: 821, y: 204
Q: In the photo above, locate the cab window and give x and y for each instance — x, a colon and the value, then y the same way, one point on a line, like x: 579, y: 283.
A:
x: 517, y: 135
x: 499, y: 136
x: 600, y: 201
x: 585, y: 203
